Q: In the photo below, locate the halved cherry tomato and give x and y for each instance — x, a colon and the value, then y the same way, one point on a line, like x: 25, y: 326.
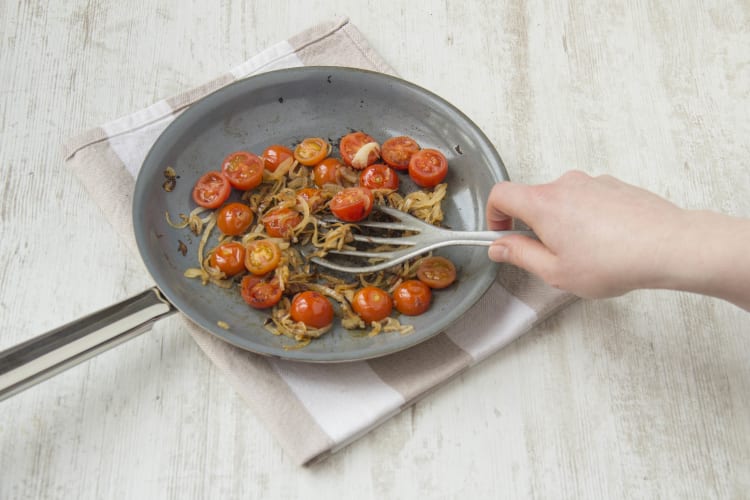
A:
x: 212, y: 189
x: 244, y: 170
x: 280, y: 222
x: 436, y: 272
x: 412, y: 297
x: 262, y: 257
x: 397, y: 151
x: 234, y: 219
x: 312, y: 151
x: 428, y: 167
x: 312, y: 309
x: 229, y: 257
x: 372, y: 304
x: 351, y: 143
x: 260, y: 294
x: 313, y: 197
x: 352, y: 204
x: 379, y: 176
x: 274, y: 155
x: 327, y: 172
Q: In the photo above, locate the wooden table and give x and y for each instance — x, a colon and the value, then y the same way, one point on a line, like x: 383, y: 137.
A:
x: 647, y: 395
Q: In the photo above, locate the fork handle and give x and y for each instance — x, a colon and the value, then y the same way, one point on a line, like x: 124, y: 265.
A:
x: 483, y: 238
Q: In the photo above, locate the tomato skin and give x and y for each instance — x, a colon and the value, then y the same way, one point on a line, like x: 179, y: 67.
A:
x: 275, y: 155
x: 234, y: 219
x: 397, y: 151
x: 312, y: 309
x: 352, y: 204
x: 262, y: 257
x: 327, y: 172
x: 372, y: 304
x: 211, y: 190
x: 229, y: 258
x: 312, y: 151
x: 313, y: 197
x: 280, y: 222
x: 412, y: 297
x: 351, y: 143
x: 436, y: 272
x: 428, y: 168
x: 243, y: 169
x: 379, y: 176
x: 259, y: 293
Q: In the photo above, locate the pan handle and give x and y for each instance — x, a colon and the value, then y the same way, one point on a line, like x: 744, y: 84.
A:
x: 48, y: 354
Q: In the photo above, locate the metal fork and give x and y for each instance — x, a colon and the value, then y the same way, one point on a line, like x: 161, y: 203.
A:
x: 426, y: 237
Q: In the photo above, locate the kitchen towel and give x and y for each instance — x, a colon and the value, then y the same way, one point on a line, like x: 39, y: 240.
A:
x: 330, y: 405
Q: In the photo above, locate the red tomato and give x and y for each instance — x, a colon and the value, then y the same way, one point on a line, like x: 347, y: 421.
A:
x: 412, y: 297
x: 312, y: 151
x: 372, y: 304
x: 275, y: 155
x: 279, y: 222
x: 259, y: 293
x: 234, y: 219
x: 351, y: 143
x: 212, y: 190
x: 229, y: 257
x: 262, y: 257
x: 312, y: 309
x: 244, y: 170
x: 327, y: 172
x: 379, y: 176
x: 436, y: 272
x: 352, y: 204
x: 428, y: 167
x: 313, y: 197
x: 397, y: 151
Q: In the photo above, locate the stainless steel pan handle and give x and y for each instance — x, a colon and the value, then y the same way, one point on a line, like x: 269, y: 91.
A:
x: 46, y: 355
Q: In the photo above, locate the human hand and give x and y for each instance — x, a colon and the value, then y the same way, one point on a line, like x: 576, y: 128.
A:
x: 598, y: 237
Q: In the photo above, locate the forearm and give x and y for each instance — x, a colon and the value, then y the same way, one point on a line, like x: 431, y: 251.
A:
x: 710, y: 256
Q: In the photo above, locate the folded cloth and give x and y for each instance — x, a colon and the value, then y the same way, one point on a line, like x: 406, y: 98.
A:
x: 331, y: 405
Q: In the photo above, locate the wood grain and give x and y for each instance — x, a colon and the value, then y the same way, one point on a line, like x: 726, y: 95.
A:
x: 647, y: 395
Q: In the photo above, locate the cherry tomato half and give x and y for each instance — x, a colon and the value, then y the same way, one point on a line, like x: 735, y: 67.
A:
x: 244, y: 170
x: 262, y: 257
x: 312, y: 309
x: 229, y: 258
x: 436, y: 272
x: 312, y: 151
x: 397, y: 151
x: 351, y: 144
x: 234, y: 219
x: 412, y: 297
x: 372, y: 304
x: 313, y: 197
x: 280, y: 222
x: 260, y: 294
x: 352, y: 204
x: 211, y: 190
x: 275, y: 155
x: 379, y: 176
x: 428, y: 168
x: 327, y: 172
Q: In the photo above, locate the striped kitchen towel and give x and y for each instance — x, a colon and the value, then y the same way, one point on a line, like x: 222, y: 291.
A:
x: 331, y: 405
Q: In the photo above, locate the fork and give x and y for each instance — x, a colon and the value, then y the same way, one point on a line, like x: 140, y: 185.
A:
x: 426, y: 237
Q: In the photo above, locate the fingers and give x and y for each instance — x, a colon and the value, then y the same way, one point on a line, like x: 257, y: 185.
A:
x: 506, y: 201
x: 524, y: 252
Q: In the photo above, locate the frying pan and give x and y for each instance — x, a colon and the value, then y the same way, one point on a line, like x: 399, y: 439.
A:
x: 282, y: 107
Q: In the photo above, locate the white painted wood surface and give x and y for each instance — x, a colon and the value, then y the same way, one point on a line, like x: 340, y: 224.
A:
x: 647, y: 395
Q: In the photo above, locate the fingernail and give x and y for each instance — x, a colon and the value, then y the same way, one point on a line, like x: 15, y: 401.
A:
x: 498, y: 252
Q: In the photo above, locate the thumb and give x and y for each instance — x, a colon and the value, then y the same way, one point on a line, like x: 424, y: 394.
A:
x: 524, y: 252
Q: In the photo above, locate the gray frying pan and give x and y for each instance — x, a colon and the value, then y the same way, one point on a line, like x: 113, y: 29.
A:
x: 277, y: 107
